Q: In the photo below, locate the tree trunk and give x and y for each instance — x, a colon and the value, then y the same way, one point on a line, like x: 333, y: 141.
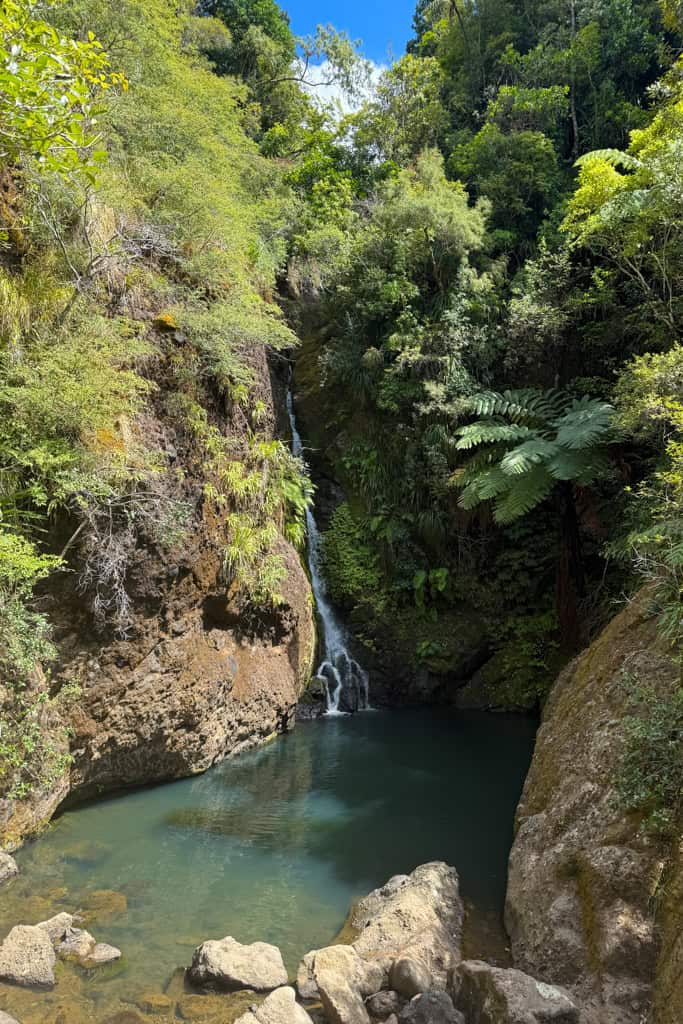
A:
x: 571, y: 582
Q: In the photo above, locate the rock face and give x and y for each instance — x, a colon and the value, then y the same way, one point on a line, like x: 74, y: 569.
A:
x: 8, y: 867
x: 228, y: 966
x: 280, y: 1007
x: 27, y: 958
x: 416, y: 917
x: 202, y: 673
x: 668, y: 993
x: 408, y: 936
x: 582, y: 876
x: 493, y: 995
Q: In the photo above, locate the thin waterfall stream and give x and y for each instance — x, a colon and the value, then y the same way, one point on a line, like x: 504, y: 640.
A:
x: 347, y: 684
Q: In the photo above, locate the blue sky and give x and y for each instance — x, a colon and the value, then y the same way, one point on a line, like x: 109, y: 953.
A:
x: 381, y: 24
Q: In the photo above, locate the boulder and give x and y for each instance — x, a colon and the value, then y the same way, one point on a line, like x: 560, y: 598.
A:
x: 76, y: 944
x: 227, y: 965
x: 431, y: 1008
x: 495, y: 995
x: 383, y: 1004
x: 280, y: 1007
x: 366, y: 977
x: 57, y: 927
x: 8, y: 867
x: 342, y: 1002
x: 27, y: 957
x: 417, y: 916
x: 6, y: 1019
x: 409, y: 977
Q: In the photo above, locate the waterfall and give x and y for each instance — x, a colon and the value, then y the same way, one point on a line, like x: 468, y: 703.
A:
x: 347, y: 685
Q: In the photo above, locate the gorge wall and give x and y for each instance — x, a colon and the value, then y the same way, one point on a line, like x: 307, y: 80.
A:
x: 592, y: 896
x: 201, y: 672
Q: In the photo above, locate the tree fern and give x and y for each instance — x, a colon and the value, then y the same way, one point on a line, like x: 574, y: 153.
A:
x: 614, y: 157
x: 525, y: 442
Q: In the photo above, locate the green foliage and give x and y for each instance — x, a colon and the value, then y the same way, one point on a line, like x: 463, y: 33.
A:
x: 351, y: 566
x: 651, y: 769
x: 48, y: 89
x: 531, y: 440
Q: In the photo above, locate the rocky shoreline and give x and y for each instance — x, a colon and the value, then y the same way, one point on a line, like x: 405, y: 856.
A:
x: 401, y: 964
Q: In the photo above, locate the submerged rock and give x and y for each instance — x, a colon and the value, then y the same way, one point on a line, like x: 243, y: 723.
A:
x: 280, y: 1007
x: 27, y: 957
x: 418, y: 917
x: 104, y: 905
x: 8, y: 867
x: 495, y: 995
x: 431, y: 1008
x: 155, y: 1003
x: 228, y: 965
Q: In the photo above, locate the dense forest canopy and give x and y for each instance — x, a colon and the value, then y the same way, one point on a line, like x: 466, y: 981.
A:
x: 484, y: 262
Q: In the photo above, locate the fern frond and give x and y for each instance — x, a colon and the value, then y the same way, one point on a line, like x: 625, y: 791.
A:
x: 586, y: 422
x: 614, y: 157
x: 519, y: 405
x: 487, y: 484
x: 525, y: 456
x: 489, y: 432
x: 583, y: 467
x: 524, y: 494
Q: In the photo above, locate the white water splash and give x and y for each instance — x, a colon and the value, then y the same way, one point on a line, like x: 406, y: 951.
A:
x: 347, y: 685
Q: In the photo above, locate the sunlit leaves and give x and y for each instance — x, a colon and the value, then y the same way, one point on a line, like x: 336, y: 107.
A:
x: 49, y: 86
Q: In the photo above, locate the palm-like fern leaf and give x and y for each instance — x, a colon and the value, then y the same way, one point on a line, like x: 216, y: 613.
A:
x: 525, y: 456
x: 585, y: 423
x: 490, y: 432
x: 520, y: 405
x: 615, y: 157
x: 524, y: 494
x: 527, y: 441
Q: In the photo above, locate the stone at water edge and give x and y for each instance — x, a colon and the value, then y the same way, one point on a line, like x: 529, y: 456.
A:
x: 280, y: 1007
x: 102, y: 954
x: 431, y: 1008
x: 342, y: 1003
x: 228, y: 965
x: 418, y: 916
x: 27, y: 958
x: 497, y: 995
x: 8, y: 867
x: 76, y: 943
x: 367, y: 977
x: 6, y: 1019
x: 57, y: 927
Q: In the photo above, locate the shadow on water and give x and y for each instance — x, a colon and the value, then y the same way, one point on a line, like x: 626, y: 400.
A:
x: 276, y: 844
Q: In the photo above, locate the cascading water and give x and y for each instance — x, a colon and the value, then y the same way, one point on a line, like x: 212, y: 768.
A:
x: 346, y: 683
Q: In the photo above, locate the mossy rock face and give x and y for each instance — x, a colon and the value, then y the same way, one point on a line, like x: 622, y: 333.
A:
x: 583, y: 875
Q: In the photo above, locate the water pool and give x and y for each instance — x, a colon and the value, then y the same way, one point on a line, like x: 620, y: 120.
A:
x: 276, y: 844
